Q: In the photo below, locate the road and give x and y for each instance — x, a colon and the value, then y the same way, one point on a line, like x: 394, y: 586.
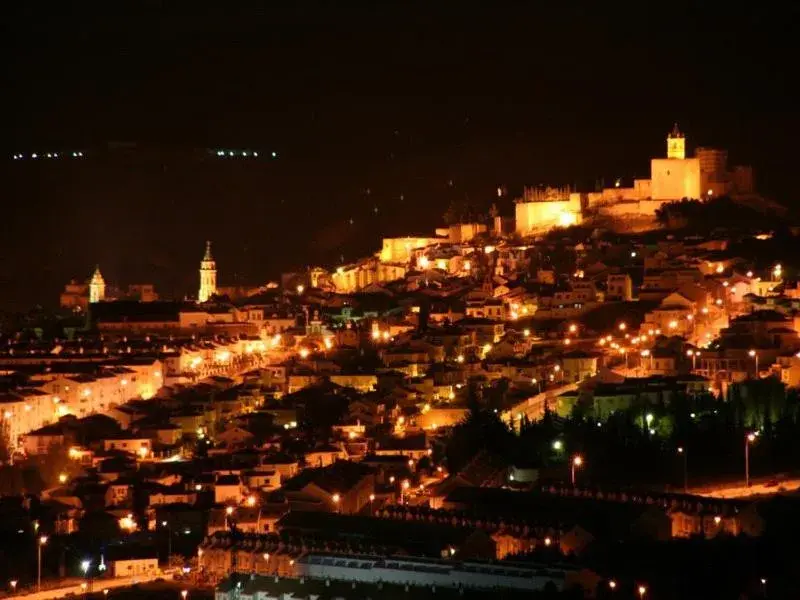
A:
x: 97, y: 586
x: 757, y: 488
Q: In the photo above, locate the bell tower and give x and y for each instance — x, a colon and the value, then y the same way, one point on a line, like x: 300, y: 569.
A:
x: 208, y: 276
x: 97, y: 286
x: 676, y: 144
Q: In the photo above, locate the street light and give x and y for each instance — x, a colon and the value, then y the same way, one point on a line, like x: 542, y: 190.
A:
x: 685, y: 453
x: 13, y: 585
x: 403, y: 487
x: 693, y: 354
x: 85, y: 566
x: 748, y: 439
x: 754, y: 354
x: 336, y: 500
x: 166, y: 526
x: 642, y: 591
x: 558, y: 445
x: 612, y: 585
x: 42, y: 542
x: 184, y: 593
x: 577, y: 461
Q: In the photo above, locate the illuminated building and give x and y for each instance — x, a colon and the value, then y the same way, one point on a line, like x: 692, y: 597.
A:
x: 543, y: 209
x: 208, y: 276
x: 672, y: 178
x: 97, y: 286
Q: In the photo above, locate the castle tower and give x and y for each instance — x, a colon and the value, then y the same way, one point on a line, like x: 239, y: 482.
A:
x: 676, y: 144
x: 97, y: 286
x: 208, y: 276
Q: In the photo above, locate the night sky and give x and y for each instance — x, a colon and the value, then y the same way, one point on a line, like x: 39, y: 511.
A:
x: 378, y: 116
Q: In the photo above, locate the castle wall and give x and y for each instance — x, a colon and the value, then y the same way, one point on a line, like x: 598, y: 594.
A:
x: 535, y: 216
x: 673, y: 179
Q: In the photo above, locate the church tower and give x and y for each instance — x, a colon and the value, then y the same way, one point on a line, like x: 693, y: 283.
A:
x: 97, y: 286
x: 676, y: 144
x: 208, y: 276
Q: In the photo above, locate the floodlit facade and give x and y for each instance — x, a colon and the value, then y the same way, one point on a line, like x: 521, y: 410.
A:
x: 208, y: 276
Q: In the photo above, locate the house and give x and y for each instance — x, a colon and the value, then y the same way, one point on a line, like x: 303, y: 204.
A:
x: 324, y: 456
x: 228, y: 489
x: 39, y: 441
x: 141, y: 447
x: 578, y: 365
x: 344, y: 487
x: 135, y: 567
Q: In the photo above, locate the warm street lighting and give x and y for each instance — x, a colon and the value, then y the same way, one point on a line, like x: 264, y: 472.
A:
x: 13, y: 585
x: 300, y: 289
x: 642, y: 591
x: 685, y: 453
x: 612, y: 584
x: 622, y: 326
x: 547, y: 541
x: 754, y: 354
x: 577, y: 461
x: 558, y: 445
x: 304, y: 353
x: 42, y: 542
x: 748, y: 439
x: 184, y: 593
x: 573, y: 328
x: 62, y: 478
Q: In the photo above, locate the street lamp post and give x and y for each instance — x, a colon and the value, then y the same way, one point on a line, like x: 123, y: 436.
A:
x: 166, y: 526
x: 13, y: 585
x: 685, y: 453
x: 577, y: 461
x: 694, y: 356
x: 748, y: 439
x: 42, y: 541
x: 754, y: 354
x: 642, y: 591
x: 86, y: 565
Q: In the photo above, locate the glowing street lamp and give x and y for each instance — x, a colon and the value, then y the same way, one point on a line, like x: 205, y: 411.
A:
x: 642, y: 591
x: 623, y: 326
x: 754, y: 354
x: 558, y: 445
x: 685, y: 454
x: 748, y: 439
x: 337, y: 499
x: 13, y: 585
x: 577, y: 462
x: 184, y: 594
x: 42, y: 542
x: 612, y: 585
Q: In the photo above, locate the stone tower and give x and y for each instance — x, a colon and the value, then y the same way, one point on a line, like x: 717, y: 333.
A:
x: 676, y: 144
x: 208, y: 276
x: 97, y: 286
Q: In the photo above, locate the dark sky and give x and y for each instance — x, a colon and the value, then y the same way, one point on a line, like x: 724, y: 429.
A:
x: 399, y: 111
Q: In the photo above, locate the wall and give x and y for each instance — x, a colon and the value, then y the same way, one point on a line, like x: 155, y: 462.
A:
x: 401, y: 249
x: 673, y: 179
x: 532, y: 216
